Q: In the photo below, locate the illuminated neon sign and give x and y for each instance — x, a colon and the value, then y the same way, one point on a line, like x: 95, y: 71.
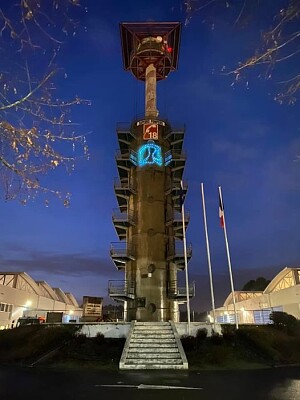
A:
x: 150, y: 132
x: 150, y: 154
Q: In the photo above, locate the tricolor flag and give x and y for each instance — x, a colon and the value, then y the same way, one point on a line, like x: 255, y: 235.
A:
x: 181, y: 195
x: 221, y: 211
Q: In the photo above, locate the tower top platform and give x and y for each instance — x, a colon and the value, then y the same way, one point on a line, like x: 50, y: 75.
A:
x: 145, y: 43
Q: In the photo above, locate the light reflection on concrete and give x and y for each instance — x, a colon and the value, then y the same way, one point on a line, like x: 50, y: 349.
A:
x: 288, y: 390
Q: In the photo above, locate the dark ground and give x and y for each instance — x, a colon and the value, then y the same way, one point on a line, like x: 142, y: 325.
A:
x: 18, y: 383
x: 236, y: 366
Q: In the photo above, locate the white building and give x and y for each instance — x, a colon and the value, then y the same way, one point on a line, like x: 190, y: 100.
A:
x: 282, y: 294
x: 21, y: 296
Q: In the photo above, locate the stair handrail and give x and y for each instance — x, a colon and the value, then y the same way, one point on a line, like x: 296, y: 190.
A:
x: 126, y: 346
x: 179, y: 345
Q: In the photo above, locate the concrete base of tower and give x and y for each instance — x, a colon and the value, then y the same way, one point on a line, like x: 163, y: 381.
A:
x: 150, y: 312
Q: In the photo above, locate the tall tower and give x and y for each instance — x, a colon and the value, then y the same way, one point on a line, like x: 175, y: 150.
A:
x: 149, y: 191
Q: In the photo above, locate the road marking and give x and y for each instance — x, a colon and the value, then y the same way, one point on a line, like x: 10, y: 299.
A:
x: 118, y: 386
x: 142, y: 386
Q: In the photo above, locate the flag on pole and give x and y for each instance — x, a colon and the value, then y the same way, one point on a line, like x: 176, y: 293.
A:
x: 221, y: 211
x: 181, y: 194
x: 222, y: 220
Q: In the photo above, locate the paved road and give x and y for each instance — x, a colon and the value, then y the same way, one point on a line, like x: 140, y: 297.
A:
x: 45, y: 384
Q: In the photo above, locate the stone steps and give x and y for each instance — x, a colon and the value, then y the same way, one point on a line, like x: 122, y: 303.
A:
x: 152, y: 328
x: 139, y: 323
x: 153, y: 366
x: 158, y: 345
x: 155, y: 361
x: 140, y: 355
x: 153, y: 357
x: 155, y: 349
x: 144, y: 329
x: 156, y: 335
x: 153, y: 346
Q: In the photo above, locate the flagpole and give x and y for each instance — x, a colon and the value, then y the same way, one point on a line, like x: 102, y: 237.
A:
x: 208, y: 258
x: 229, y: 262
x: 185, y: 263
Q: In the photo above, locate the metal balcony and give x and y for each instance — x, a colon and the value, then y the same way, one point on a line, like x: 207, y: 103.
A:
x: 126, y: 159
x: 125, y: 136
x: 176, y: 136
x: 176, y: 221
x: 123, y: 190
x: 179, y: 292
x: 121, y: 290
x: 121, y: 253
x: 176, y: 161
x: 179, y: 194
x: 175, y: 186
x: 177, y: 254
x: 122, y: 221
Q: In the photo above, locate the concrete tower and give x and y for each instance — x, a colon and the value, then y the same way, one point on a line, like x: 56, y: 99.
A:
x: 149, y: 191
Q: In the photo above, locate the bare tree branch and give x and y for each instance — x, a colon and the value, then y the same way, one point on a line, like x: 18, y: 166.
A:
x: 34, y: 126
x: 280, y: 43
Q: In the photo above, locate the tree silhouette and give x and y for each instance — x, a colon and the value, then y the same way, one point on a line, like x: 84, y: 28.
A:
x: 259, y: 284
x: 37, y: 133
x: 277, y: 55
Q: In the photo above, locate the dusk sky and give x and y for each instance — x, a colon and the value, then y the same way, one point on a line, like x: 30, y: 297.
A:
x: 237, y: 137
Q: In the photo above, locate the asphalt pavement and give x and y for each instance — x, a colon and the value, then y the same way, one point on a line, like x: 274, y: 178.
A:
x: 55, y: 384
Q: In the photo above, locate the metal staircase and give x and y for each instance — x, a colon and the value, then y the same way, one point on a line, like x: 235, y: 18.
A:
x: 153, y: 345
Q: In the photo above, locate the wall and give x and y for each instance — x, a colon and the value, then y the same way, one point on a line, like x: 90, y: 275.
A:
x: 182, y: 328
x: 121, y: 329
x: 109, y: 330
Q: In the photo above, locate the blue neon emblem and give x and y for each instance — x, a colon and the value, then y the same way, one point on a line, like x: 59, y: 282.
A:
x: 149, y: 154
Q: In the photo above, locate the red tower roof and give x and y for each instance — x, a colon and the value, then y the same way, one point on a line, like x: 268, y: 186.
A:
x: 145, y: 43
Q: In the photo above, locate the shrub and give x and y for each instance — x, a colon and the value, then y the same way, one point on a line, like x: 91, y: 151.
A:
x: 188, y: 342
x: 282, y: 320
x: 29, y: 342
x: 229, y: 333
x: 100, y: 338
x: 216, y: 338
x: 80, y: 338
x: 201, y: 334
x: 258, y: 341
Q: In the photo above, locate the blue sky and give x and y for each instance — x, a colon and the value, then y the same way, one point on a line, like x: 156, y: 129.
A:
x: 237, y: 136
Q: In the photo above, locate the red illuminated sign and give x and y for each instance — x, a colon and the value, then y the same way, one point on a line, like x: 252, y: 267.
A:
x: 150, y: 132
